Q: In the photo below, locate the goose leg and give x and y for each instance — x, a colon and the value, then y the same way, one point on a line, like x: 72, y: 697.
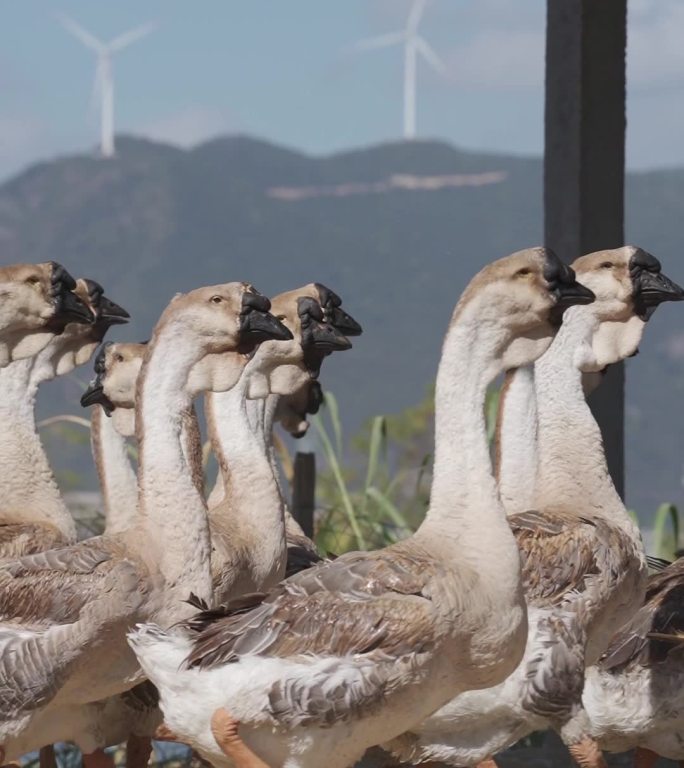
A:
x: 138, y: 751
x: 644, y: 758
x: 586, y: 754
x: 98, y: 759
x: 225, y: 731
x: 46, y: 757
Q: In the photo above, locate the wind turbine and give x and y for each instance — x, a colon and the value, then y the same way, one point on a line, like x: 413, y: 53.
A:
x: 414, y: 45
x: 103, y: 86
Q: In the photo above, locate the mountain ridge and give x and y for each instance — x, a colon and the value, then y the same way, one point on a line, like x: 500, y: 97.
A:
x: 158, y: 219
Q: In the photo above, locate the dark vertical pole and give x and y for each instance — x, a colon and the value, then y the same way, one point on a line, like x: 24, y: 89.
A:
x: 584, y: 159
x: 304, y: 491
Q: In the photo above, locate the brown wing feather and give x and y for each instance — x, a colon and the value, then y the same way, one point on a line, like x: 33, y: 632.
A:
x: 53, y: 586
x: 361, y: 603
x: 661, y: 614
x: 562, y: 555
x: 18, y: 539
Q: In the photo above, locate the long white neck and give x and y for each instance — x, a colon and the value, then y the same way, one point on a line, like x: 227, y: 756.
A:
x: 266, y: 419
x: 118, y: 480
x: 251, y: 491
x: 465, y: 516
x: 573, y: 473
x: 516, y: 441
x: 28, y: 489
x: 172, y: 511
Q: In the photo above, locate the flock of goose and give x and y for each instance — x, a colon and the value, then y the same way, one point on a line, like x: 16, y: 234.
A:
x: 522, y: 602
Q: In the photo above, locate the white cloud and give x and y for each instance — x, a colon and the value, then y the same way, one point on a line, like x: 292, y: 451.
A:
x: 188, y: 126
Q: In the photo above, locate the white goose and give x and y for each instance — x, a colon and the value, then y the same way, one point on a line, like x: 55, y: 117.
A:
x: 582, y: 560
x: 65, y: 613
x: 351, y: 652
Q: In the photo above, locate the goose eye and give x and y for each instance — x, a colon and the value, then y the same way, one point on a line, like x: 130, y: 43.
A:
x: 280, y: 317
x: 523, y: 272
x: 607, y: 265
x: 216, y: 299
x: 119, y: 357
x: 33, y: 280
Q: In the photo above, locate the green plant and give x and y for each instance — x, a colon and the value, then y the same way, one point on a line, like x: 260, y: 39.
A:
x: 666, y: 529
x: 359, y: 509
x: 378, y: 491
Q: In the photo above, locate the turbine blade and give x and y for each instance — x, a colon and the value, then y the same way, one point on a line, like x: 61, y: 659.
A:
x: 90, y: 41
x: 428, y: 53
x: 415, y: 15
x: 132, y: 36
x: 381, y: 41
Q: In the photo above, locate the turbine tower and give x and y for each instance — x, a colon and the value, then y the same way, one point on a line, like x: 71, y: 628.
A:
x: 414, y: 45
x: 103, y: 87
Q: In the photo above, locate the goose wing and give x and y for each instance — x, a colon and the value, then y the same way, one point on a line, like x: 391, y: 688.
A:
x: 17, y: 539
x: 564, y: 556
x: 375, y: 604
x: 644, y: 639
x: 36, y: 661
x: 53, y: 587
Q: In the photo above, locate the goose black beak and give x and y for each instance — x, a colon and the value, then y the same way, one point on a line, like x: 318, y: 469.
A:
x: 344, y: 322
x: 325, y: 337
x: 95, y: 395
x: 113, y: 313
x: 257, y: 324
x: 652, y: 289
x: 72, y: 310
x: 562, y: 284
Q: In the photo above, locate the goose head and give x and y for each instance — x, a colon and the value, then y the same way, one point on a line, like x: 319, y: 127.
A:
x: 76, y: 345
x: 117, y: 365
x: 228, y: 352
x: 36, y: 303
x: 294, y: 408
x: 629, y: 285
x: 283, y: 368
x: 518, y: 301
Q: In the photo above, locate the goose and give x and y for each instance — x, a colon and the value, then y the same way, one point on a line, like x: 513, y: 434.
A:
x: 247, y: 525
x: 112, y: 421
x: 583, y: 563
x: 633, y: 695
x: 247, y: 552
x: 36, y: 303
x: 64, y: 613
x: 354, y: 651
x: 33, y: 515
x: 289, y: 403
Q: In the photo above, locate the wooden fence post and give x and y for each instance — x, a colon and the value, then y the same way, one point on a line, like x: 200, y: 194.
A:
x: 304, y: 491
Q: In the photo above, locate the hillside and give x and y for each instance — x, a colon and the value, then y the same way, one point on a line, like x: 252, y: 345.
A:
x: 397, y: 229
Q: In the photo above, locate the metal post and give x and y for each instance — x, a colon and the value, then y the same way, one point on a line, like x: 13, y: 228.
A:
x: 304, y: 491
x: 584, y: 159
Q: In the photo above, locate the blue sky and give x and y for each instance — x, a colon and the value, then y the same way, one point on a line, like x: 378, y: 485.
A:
x: 284, y: 70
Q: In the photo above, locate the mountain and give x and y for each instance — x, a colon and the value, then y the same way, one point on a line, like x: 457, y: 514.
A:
x: 396, y: 229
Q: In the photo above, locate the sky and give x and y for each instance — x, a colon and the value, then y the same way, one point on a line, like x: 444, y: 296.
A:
x: 287, y: 71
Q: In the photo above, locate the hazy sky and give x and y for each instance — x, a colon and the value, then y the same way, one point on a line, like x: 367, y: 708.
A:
x: 284, y: 70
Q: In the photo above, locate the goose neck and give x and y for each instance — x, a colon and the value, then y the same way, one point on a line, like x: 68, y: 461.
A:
x: 28, y: 486
x: 172, y: 511
x: 573, y: 472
